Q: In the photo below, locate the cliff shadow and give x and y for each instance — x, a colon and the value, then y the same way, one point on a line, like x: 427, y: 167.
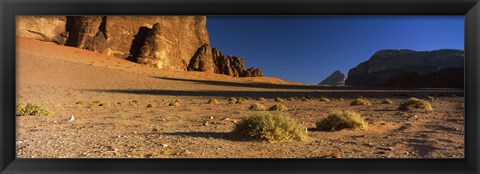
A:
x: 256, y: 94
x: 259, y: 85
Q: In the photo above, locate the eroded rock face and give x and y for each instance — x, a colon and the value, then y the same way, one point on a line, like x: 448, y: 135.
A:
x: 445, y: 78
x: 202, y: 60
x: 387, y: 63
x: 166, y: 42
x: 337, y: 78
x: 43, y: 28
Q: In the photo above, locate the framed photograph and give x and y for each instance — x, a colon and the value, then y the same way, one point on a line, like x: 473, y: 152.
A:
x: 239, y: 86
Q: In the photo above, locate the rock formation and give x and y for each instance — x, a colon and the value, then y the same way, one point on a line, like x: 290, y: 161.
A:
x: 167, y: 42
x: 337, y: 78
x: 233, y: 66
x: 385, y: 64
x: 43, y: 28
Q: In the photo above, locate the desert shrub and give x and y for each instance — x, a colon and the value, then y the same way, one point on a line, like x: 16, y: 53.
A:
x: 361, y: 97
x: 213, y: 101
x: 33, y: 109
x: 325, y: 99
x: 121, y: 103
x: 341, y: 99
x: 261, y: 99
x: 278, y: 107
x: 257, y: 107
x: 305, y: 99
x: 134, y: 101
x: 241, y: 100
x: 387, y: 101
x: 310, y: 97
x: 278, y: 99
x: 430, y: 98
x: 150, y: 105
x: 79, y: 102
x: 291, y: 99
x: 415, y: 103
x: 174, y: 103
x: 268, y: 127
x: 360, y: 101
x: 92, y: 105
x: 104, y: 103
x: 339, y: 120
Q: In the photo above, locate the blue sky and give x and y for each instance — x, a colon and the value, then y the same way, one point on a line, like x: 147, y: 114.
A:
x: 307, y: 49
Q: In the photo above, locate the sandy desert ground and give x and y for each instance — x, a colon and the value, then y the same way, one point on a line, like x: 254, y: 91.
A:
x: 68, y: 79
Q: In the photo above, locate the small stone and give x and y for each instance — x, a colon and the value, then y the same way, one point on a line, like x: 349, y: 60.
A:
x: 206, y: 123
x: 165, y: 145
x: 211, y: 117
x: 55, y: 121
x: 154, y: 130
x: 19, y: 142
x: 72, y: 118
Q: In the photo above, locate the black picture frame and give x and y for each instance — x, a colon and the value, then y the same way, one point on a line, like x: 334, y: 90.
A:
x: 469, y: 8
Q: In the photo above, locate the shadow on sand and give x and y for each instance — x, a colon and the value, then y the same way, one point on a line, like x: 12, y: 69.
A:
x: 265, y: 94
x: 214, y: 135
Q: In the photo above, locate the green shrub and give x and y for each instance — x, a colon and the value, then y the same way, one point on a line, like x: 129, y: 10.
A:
x: 213, y: 101
x: 341, y: 120
x: 324, y: 99
x: 415, y: 103
x: 360, y: 101
x: 387, y: 101
x: 257, y: 107
x: 33, y: 109
x: 278, y: 107
x: 268, y: 127
x: 278, y: 99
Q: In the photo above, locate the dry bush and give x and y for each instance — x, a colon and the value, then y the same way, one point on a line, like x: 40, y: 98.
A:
x: 33, y: 109
x: 174, y: 103
x: 104, y: 103
x: 257, y: 107
x: 278, y: 99
x: 150, y: 105
x: 268, y: 127
x: 278, y: 107
x: 213, y: 101
x: 415, y: 103
x: 360, y: 101
x: 339, y: 120
x: 325, y: 99
x: 387, y: 101
x: 241, y: 100
x: 261, y: 99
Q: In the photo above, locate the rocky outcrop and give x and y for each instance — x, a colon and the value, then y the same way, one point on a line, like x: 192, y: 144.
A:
x: 388, y: 63
x: 446, y: 78
x: 233, y: 66
x: 202, y: 60
x: 166, y: 42
x: 337, y: 78
x: 43, y: 28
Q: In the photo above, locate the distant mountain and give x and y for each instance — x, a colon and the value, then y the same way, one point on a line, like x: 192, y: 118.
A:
x: 336, y: 78
x: 398, y: 68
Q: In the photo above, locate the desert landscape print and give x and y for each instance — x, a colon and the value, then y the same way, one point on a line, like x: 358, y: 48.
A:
x: 240, y: 87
